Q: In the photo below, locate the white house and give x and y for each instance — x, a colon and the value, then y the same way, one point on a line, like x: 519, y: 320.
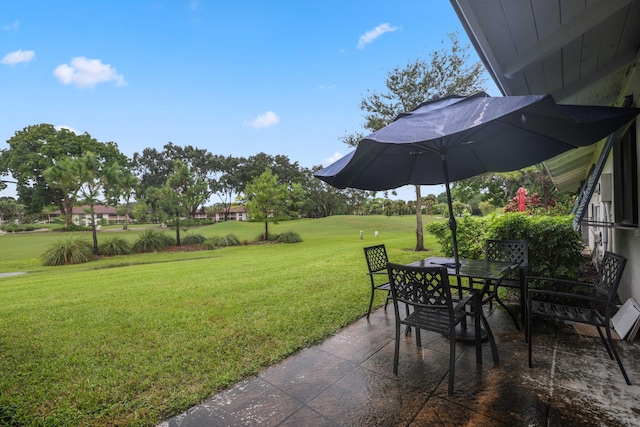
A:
x: 236, y: 213
x: 581, y: 52
x: 81, y: 215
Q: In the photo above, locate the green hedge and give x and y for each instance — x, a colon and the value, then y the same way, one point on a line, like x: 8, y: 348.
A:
x: 554, y: 246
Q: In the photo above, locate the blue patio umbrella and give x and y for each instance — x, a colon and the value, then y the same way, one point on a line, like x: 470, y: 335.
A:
x: 457, y: 137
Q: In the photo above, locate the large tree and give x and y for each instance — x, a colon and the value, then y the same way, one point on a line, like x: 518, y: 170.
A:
x: 37, y: 148
x: 268, y: 201
x: 448, y: 71
x: 153, y: 168
x: 181, y: 193
x: 321, y: 199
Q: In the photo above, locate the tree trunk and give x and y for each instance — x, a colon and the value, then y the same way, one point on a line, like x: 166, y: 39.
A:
x: 125, y: 227
x: 177, y: 230
x: 266, y: 231
x: 96, y: 251
x: 419, y: 228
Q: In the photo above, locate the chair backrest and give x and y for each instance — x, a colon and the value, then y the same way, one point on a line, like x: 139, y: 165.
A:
x: 516, y: 251
x: 376, y: 258
x: 609, y: 276
x: 420, y: 286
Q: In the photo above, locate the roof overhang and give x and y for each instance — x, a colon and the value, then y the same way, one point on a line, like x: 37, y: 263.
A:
x: 579, y: 52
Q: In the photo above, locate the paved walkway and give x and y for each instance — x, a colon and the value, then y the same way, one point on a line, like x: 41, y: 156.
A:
x: 348, y: 381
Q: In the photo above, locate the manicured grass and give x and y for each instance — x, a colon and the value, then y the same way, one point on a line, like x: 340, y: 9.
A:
x: 133, y: 340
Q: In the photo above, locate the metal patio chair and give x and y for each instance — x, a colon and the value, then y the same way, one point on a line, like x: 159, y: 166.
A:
x: 579, y: 302
x: 517, y: 252
x: 377, y: 264
x: 427, y: 295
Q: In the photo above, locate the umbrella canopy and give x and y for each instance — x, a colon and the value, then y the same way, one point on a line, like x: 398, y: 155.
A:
x: 456, y: 137
x: 475, y: 134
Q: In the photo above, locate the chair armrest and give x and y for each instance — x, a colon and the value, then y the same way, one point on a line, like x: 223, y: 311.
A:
x: 463, y: 302
x: 569, y: 296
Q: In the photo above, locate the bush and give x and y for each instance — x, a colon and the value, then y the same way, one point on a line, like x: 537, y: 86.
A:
x: 289, y: 237
x: 167, y: 239
x: 189, y: 222
x: 472, y: 234
x: 219, y: 242
x: 15, y: 228
x: 115, y: 245
x: 150, y: 241
x: 73, y: 227
x: 554, y: 246
x: 272, y: 237
x: 70, y: 250
x: 193, y: 239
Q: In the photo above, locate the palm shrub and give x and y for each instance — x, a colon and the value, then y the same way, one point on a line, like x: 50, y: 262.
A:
x: 70, y: 250
x: 167, y: 239
x: 272, y: 237
x: 115, y: 245
x: 210, y: 243
x: 289, y: 237
x: 150, y: 241
x: 222, y: 241
x: 193, y: 239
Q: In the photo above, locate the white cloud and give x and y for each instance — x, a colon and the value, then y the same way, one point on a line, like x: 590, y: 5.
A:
x: 327, y: 87
x: 264, y: 120
x: 85, y: 72
x: 12, y: 26
x: 69, y: 128
x: 371, y: 35
x: 336, y: 156
x: 18, y: 56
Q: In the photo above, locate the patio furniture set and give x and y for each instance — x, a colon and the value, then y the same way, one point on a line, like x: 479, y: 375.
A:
x: 432, y: 302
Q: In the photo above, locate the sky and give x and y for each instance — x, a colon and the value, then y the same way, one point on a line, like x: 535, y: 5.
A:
x: 235, y: 78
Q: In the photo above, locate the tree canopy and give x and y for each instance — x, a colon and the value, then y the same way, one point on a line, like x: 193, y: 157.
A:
x: 447, y: 71
x: 38, y: 148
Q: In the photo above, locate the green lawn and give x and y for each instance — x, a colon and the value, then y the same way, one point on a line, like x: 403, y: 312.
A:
x: 136, y: 339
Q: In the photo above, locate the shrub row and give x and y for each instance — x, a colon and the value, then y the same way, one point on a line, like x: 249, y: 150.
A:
x: 75, y: 250
x: 15, y: 228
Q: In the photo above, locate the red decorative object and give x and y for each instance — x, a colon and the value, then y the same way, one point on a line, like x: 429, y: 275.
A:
x: 522, y: 199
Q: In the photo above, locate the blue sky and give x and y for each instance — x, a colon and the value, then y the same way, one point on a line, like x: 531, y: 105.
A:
x: 236, y: 78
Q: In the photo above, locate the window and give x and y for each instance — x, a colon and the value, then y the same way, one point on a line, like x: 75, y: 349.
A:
x: 625, y: 178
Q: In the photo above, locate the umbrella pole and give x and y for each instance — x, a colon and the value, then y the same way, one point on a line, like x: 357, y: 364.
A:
x: 465, y: 333
x: 453, y: 225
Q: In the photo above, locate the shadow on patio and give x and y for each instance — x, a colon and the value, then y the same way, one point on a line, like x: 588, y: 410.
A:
x: 347, y: 380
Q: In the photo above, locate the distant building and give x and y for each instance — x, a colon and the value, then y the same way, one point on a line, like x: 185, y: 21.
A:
x: 235, y: 213
x: 81, y: 215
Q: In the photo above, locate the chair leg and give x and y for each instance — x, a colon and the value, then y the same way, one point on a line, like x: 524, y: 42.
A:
x: 492, y: 340
x: 610, y: 345
x: 371, y: 303
x: 452, y: 359
x: 605, y: 343
x: 397, y: 349
x: 523, y: 305
x: 513, y: 316
x: 387, y: 300
x: 527, y: 330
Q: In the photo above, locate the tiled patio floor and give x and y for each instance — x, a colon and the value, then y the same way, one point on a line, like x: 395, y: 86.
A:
x: 348, y: 381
